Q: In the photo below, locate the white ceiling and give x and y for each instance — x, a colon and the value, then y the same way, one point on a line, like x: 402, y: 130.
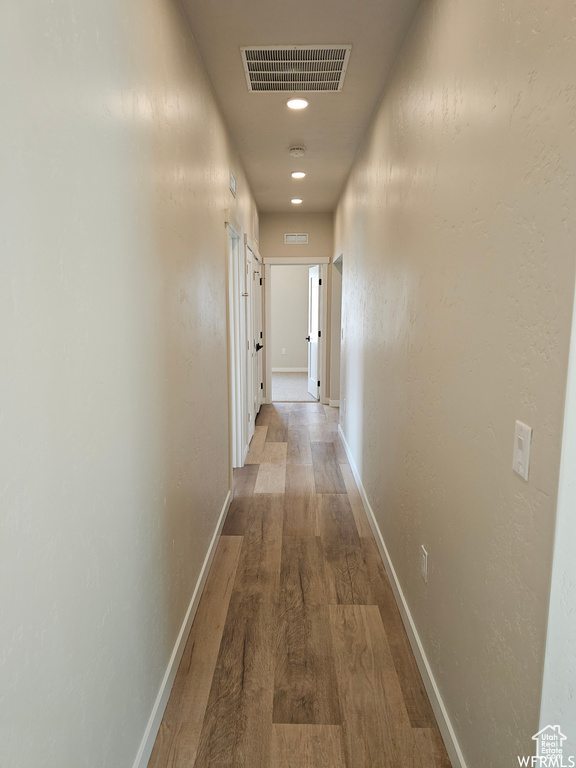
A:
x: 333, y: 125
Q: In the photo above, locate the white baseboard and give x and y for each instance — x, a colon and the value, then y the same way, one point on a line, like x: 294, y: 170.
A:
x: 147, y: 743
x: 334, y: 403
x: 446, y: 729
x: 289, y: 370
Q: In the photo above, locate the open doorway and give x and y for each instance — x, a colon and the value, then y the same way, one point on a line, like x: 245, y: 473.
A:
x: 294, y: 337
x: 273, y: 262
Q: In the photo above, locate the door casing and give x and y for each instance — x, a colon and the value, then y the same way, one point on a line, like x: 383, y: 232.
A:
x: 235, y: 280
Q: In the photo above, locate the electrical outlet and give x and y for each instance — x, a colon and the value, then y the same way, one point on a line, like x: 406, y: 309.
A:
x: 283, y: 350
x: 424, y: 564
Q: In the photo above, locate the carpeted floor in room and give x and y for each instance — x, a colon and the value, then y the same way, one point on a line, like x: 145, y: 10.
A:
x: 291, y: 388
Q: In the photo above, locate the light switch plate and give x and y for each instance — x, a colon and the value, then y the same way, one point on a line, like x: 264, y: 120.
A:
x: 522, y: 440
x: 424, y: 563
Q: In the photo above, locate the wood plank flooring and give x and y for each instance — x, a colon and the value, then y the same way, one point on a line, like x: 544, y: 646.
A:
x: 297, y: 657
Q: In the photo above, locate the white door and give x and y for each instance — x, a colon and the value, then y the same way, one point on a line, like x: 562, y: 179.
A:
x: 254, y: 341
x: 249, y: 345
x: 313, y: 318
x: 258, y: 336
x: 244, y: 355
x: 245, y: 319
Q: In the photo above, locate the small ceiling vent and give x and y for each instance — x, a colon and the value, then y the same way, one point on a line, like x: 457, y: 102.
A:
x: 303, y: 68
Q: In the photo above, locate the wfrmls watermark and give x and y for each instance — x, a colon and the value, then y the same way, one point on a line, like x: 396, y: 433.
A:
x: 549, y: 750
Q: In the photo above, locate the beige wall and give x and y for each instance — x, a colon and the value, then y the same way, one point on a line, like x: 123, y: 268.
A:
x: 458, y: 228
x: 318, y: 225
x: 289, y: 309
x: 113, y: 468
x: 335, y: 326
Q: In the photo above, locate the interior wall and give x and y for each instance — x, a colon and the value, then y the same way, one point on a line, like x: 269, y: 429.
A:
x: 114, y: 423
x: 289, y: 308
x: 319, y: 226
x: 457, y: 227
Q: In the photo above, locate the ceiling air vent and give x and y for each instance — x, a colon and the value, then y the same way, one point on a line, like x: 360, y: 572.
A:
x: 303, y: 68
x: 296, y: 238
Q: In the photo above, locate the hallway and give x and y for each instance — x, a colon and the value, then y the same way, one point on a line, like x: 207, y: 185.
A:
x: 298, y: 656
x: 161, y: 162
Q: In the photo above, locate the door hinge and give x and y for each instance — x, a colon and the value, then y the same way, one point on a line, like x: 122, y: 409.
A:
x: 318, y: 383
x: 320, y: 281
x: 260, y: 334
x: 319, y: 334
x: 260, y: 281
x: 261, y: 385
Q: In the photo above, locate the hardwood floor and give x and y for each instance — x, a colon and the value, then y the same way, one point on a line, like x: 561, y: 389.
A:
x: 297, y: 657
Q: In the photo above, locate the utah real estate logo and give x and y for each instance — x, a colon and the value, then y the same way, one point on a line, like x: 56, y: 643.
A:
x: 549, y: 750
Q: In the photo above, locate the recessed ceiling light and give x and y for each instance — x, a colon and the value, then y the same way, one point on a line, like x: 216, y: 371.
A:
x: 297, y: 103
x: 296, y: 200
x: 298, y: 175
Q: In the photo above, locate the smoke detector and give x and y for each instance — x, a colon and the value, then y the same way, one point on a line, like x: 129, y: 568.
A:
x: 297, y: 151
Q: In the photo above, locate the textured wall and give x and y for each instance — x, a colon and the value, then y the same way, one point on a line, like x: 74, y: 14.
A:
x: 318, y: 225
x: 113, y: 416
x: 289, y: 310
x: 457, y: 227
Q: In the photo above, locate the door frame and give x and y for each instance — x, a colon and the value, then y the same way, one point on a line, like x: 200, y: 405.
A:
x: 254, y: 322
x: 323, y: 262
x: 234, y: 279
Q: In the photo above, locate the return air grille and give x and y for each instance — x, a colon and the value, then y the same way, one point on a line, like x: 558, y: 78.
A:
x: 303, y: 68
x: 295, y: 238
